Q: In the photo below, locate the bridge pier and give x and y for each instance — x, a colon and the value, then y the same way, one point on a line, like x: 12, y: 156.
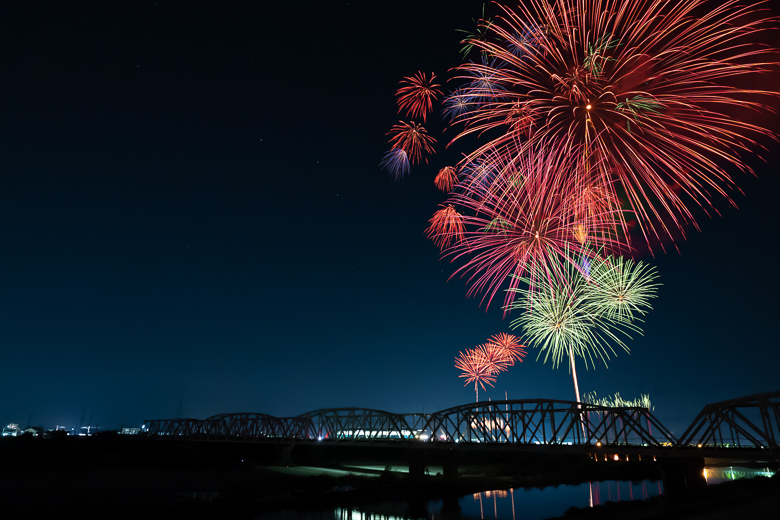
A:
x: 417, y: 464
x: 450, y: 465
x: 683, y: 476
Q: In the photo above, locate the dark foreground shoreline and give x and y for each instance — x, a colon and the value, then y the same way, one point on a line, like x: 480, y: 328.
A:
x: 121, y: 477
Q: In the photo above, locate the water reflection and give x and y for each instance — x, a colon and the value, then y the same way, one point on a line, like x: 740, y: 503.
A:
x: 502, y: 504
x: 720, y: 475
x: 511, y: 504
x: 616, y: 491
x: 532, y: 503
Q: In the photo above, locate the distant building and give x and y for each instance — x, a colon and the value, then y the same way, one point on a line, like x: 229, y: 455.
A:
x: 130, y: 431
x: 12, y: 430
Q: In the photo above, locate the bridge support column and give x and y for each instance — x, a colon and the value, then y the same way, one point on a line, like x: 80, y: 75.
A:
x: 683, y: 476
x: 416, y: 464
x: 450, y: 465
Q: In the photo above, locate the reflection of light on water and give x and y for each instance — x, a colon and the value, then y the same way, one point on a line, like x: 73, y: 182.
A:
x: 719, y: 475
x: 537, y: 504
x: 512, y: 491
x: 613, y: 488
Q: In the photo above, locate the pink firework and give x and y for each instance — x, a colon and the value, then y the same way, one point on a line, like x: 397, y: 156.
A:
x: 446, y: 227
x: 522, y: 219
x: 417, y: 94
x: 650, y: 94
x: 446, y: 179
x: 413, y: 139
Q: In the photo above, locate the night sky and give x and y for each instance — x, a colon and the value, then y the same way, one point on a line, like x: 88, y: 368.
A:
x: 194, y: 222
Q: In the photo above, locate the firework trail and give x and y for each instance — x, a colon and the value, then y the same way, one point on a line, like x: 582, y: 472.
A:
x: 479, y: 366
x: 446, y: 179
x: 509, y: 348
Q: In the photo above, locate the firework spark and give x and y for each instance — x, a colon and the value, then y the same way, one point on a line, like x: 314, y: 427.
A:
x: 396, y: 163
x: 417, y: 94
x: 509, y: 347
x: 446, y: 227
x: 446, y: 179
x: 568, y: 315
x: 413, y: 139
x: 623, y: 287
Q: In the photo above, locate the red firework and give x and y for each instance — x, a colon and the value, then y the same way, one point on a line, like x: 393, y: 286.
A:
x: 475, y: 368
x: 646, y: 92
x: 480, y: 365
x: 523, y: 219
x: 446, y: 179
x: 417, y: 95
x: 446, y: 227
x: 509, y: 347
x: 413, y: 139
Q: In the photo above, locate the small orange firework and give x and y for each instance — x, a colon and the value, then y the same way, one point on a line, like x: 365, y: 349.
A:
x: 446, y: 179
x: 446, y: 227
x: 508, y: 347
x: 477, y: 368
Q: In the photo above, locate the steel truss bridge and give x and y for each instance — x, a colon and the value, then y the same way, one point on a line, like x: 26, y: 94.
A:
x: 747, y: 422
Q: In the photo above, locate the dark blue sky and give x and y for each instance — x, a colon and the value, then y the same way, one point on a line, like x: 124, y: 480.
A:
x: 194, y: 222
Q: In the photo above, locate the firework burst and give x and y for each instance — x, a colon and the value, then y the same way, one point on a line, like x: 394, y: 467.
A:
x: 396, y: 163
x: 570, y: 315
x: 560, y: 319
x: 520, y: 220
x: 446, y: 179
x: 417, y: 94
x: 413, y: 139
x: 643, y: 91
x: 446, y: 227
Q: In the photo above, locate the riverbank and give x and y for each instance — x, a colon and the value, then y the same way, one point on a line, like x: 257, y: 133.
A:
x: 132, y: 478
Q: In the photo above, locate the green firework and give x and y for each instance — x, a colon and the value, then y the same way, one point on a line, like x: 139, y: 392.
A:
x: 622, y: 289
x: 585, y: 310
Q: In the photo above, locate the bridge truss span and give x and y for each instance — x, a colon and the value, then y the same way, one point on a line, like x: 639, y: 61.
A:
x: 521, y: 422
x: 350, y: 424
x: 547, y: 422
x: 752, y: 421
